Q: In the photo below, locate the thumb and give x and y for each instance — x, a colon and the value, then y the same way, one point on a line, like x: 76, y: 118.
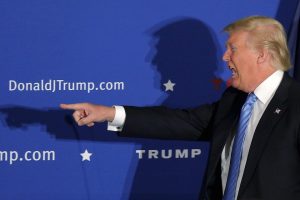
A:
x: 87, y: 120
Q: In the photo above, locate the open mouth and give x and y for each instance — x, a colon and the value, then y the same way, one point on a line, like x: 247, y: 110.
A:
x: 233, y: 72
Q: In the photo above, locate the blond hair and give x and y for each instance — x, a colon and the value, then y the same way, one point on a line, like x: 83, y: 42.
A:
x: 265, y: 32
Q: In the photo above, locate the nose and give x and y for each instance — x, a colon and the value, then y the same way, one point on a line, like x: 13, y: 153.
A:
x: 226, y: 56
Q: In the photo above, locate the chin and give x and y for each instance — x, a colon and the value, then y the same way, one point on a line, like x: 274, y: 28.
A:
x: 235, y: 84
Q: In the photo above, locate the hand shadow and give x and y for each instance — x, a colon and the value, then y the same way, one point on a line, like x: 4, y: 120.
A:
x: 56, y: 122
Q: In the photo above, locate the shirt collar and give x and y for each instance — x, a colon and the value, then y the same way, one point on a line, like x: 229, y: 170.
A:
x: 267, y: 88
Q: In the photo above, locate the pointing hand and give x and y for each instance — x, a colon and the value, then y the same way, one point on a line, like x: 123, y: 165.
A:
x: 88, y: 114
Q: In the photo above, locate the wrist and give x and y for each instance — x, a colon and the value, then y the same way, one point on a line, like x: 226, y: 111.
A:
x: 111, y: 112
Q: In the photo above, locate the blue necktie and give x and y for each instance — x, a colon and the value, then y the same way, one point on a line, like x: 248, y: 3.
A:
x: 237, y: 148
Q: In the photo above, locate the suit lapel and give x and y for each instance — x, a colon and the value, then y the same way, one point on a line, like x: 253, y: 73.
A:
x: 272, y: 114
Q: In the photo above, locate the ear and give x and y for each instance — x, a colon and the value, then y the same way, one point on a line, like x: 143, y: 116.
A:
x: 263, y: 56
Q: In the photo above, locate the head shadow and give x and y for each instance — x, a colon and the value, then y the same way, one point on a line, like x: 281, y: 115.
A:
x: 185, y: 52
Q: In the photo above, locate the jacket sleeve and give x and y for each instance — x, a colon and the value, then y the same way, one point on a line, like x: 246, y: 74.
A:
x: 184, y: 124
x: 166, y: 123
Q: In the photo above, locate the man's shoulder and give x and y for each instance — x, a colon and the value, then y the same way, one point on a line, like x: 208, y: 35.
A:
x: 294, y: 89
x: 292, y: 94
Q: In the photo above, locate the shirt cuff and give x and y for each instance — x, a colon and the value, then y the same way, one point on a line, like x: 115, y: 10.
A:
x: 119, y: 120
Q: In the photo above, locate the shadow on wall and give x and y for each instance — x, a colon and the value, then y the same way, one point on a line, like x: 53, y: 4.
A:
x: 58, y: 123
x: 139, y: 185
x: 184, y: 51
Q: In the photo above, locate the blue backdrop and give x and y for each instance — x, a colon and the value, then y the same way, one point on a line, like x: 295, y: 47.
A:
x: 112, y: 53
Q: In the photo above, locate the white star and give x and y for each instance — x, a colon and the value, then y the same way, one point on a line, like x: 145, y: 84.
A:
x: 169, y: 86
x: 86, y: 155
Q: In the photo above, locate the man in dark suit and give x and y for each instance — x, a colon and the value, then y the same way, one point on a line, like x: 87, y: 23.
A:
x: 268, y: 163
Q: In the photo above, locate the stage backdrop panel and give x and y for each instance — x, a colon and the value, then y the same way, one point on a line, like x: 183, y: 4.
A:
x: 115, y: 52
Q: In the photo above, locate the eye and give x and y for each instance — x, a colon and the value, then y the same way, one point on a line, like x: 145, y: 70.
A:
x: 233, y: 49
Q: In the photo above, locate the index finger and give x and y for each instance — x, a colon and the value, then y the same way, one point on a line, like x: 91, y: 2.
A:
x: 76, y: 106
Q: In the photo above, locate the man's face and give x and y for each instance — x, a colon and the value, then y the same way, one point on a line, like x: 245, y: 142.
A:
x: 242, y: 61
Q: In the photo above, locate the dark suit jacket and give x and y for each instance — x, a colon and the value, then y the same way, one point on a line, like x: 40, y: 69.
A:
x: 272, y: 170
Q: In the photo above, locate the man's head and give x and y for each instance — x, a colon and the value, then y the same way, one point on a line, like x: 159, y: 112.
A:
x: 256, y: 47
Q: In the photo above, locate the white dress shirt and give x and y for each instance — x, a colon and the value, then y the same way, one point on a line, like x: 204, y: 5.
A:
x: 119, y: 120
x: 264, y: 92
